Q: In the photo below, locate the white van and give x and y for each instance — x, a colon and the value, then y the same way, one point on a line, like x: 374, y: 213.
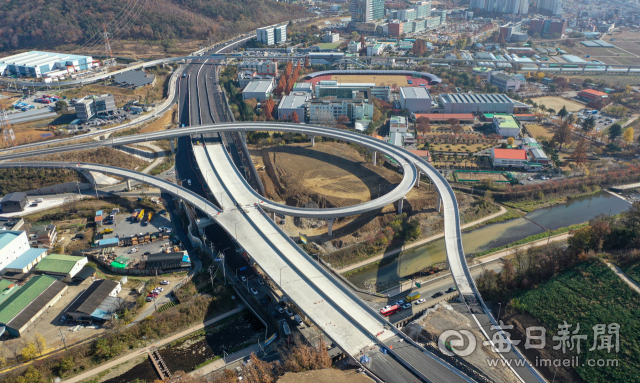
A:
x: 38, y: 200
x: 297, y: 319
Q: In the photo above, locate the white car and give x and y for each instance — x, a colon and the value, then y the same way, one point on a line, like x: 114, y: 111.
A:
x: 243, y: 278
x: 189, y: 182
x: 159, y: 289
x: 280, y: 309
x: 420, y: 301
x: 254, y: 291
x: 260, y: 281
x: 288, y: 311
x: 135, y: 249
x: 164, y: 282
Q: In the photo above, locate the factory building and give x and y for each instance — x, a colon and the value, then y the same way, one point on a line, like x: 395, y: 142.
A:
x: 27, y: 304
x: 295, y: 102
x: 60, y: 266
x: 36, y: 63
x: 415, y: 99
x: 98, y: 302
x: 477, y: 103
x: 14, y: 202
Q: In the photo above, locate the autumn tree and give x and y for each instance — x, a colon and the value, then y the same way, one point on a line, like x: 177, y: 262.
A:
x: 456, y: 129
x: 282, y: 84
x: 579, y: 155
x: 510, y: 141
x: 29, y: 350
x: 40, y: 344
x: 290, y: 83
x: 563, y: 134
x: 268, y: 106
x: 344, y: 120
x: 627, y: 136
x: 419, y: 47
x: 294, y: 118
x: 288, y: 69
x: 307, y: 63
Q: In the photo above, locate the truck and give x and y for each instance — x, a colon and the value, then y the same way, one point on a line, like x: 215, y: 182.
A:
x: 413, y: 296
x: 141, y: 215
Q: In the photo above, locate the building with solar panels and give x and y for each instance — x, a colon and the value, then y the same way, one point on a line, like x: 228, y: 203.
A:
x: 28, y: 303
x: 477, y: 103
x: 36, y: 63
x: 134, y: 79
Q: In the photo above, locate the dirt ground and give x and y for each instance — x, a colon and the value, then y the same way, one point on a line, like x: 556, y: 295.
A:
x: 329, y: 375
x: 481, y: 176
x: 334, y: 175
x: 558, y: 102
x: 546, y: 131
x: 162, y: 123
x: 444, y: 317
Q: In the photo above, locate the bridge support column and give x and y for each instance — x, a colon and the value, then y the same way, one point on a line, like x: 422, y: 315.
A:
x: 313, y: 141
x: 400, y: 204
x: 418, y: 180
x: 373, y: 157
x: 330, y: 227
x: 173, y: 146
x: 439, y: 204
x: 629, y: 70
x: 128, y: 184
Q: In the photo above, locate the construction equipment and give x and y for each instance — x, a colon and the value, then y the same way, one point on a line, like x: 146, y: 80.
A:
x: 107, y: 231
x: 141, y: 215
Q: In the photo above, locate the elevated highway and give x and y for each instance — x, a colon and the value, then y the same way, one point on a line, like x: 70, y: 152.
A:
x: 455, y: 253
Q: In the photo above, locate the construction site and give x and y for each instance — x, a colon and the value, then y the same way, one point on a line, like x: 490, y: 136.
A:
x: 336, y: 174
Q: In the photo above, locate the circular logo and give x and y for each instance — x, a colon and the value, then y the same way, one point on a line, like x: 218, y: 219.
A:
x: 450, y: 347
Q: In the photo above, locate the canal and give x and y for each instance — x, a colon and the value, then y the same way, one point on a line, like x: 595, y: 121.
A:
x: 575, y: 211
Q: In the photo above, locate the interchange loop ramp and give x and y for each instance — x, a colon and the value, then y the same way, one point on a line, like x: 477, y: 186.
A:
x: 455, y: 253
x: 328, y: 303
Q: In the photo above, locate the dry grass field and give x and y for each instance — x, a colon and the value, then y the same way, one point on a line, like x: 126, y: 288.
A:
x: 546, y: 131
x: 558, y: 102
x: 162, y: 123
x: 481, y: 176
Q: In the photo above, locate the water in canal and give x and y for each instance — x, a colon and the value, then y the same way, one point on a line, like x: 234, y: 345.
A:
x: 494, y: 235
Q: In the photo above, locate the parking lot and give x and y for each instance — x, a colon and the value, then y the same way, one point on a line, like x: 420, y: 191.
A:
x: 123, y: 227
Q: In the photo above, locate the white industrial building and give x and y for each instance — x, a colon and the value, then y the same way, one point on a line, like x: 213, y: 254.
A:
x: 258, y: 89
x: 476, y: 103
x: 295, y: 102
x: 272, y: 35
x: 415, y: 99
x: 36, y: 63
x: 12, y: 245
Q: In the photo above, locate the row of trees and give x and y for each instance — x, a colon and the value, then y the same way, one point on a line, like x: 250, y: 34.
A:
x: 26, y: 347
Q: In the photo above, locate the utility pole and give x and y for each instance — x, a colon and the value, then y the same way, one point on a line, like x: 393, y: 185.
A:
x: 64, y: 340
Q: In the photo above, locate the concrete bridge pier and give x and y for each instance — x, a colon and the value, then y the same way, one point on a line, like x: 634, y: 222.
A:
x: 401, y: 204
x: 330, y: 227
x: 173, y: 146
x: 439, y: 204
x: 128, y: 184
x: 313, y: 141
x: 418, y: 180
x: 373, y: 157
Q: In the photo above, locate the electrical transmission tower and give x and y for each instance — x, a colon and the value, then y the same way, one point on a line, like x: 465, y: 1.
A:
x: 110, y: 61
x: 7, y: 133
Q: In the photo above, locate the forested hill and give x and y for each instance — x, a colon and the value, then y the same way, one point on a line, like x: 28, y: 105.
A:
x: 40, y: 24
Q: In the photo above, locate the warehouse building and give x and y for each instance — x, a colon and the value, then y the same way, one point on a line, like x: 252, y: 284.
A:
x: 25, y: 262
x: 258, y: 89
x: 168, y: 261
x: 415, y: 99
x: 134, y: 79
x: 14, y: 202
x: 12, y: 245
x: 7, y: 289
x: 477, y: 103
x: 295, y: 102
x: 98, y: 302
x: 26, y: 305
x: 62, y: 267
x: 36, y: 63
